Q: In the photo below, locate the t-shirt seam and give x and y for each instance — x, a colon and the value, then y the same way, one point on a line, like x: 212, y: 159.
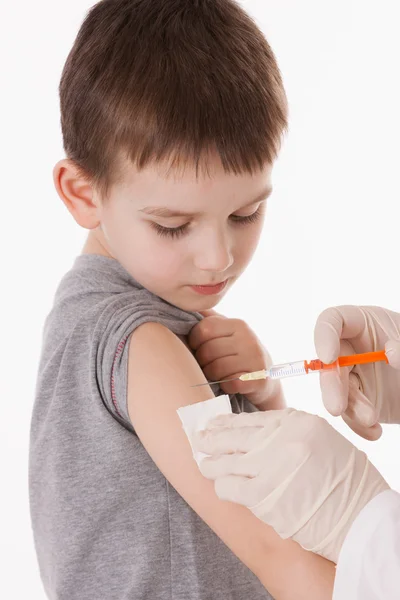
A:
x: 118, y: 352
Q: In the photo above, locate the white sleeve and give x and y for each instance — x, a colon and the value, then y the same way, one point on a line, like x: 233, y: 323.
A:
x: 369, y: 562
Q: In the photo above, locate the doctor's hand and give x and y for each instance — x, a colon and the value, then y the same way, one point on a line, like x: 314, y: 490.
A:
x: 364, y: 395
x: 293, y: 471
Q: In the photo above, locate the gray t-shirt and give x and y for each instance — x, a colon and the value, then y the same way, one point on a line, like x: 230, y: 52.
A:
x: 107, y: 524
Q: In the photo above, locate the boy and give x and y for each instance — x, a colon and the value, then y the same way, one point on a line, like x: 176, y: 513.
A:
x: 172, y: 113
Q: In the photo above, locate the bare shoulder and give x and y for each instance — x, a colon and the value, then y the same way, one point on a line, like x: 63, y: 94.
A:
x: 161, y: 363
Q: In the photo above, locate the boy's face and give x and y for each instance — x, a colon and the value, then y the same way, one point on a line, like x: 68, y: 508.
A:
x: 177, y: 235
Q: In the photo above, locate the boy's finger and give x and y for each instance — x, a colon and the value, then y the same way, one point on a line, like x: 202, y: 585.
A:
x: 275, y: 398
x: 236, y: 386
x: 214, y: 349
x: 225, y: 367
x: 207, y: 329
x: 211, y: 313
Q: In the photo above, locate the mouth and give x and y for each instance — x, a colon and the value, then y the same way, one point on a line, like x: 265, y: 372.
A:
x: 209, y: 290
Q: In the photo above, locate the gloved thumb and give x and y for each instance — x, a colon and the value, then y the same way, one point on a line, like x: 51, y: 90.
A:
x: 334, y: 325
x: 392, y: 348
x: 327, y: 335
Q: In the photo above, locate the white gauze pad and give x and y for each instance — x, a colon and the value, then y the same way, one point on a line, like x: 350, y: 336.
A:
x: 195, y: 417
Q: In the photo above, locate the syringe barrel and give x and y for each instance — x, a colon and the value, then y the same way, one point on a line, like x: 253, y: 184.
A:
x: 283, y: 371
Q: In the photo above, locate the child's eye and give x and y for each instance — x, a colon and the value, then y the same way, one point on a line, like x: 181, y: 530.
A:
x: 177, y: 232
x: 237, y: 219
x: 172, y: 232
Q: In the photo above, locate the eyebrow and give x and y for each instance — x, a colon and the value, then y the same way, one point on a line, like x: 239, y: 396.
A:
x: 163, y: 211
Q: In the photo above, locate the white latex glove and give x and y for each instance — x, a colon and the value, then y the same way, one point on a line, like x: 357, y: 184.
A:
x: 365, y: 395
x: 293, y: 471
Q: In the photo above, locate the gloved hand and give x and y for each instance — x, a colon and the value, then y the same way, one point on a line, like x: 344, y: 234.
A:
x: 365, y: 395
x: 294, y: 471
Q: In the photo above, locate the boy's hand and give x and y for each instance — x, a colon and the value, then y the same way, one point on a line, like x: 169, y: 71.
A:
x: 226, y: 348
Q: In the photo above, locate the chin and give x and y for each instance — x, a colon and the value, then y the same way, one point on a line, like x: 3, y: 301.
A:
x: 206, y: 304
x: 194, y: 303
x: 193, y: 306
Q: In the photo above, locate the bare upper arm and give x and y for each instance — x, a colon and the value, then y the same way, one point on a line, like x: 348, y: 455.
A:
x: 160, y: 373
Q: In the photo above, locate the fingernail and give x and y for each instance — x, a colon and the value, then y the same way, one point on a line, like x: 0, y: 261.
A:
x: 392, y: 349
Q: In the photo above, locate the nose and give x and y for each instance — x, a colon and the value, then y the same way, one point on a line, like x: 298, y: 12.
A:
x: 214, y: 253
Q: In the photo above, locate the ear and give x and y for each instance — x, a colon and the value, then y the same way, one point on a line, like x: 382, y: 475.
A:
x: 77, y: 194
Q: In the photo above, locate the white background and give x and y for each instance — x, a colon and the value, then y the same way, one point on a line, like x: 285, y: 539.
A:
x: 331, y: 237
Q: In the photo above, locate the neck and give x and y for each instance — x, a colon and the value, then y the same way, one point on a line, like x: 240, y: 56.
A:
x: 96, y: 244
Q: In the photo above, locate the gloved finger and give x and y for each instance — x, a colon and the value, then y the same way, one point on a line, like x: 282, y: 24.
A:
x: 335, y: 384
x: 249, y: 431
x: 369, y: 433
x: 255, y: 419
x: 333, y: 325
x: 258, y: 479
x: 392, y: 349
x: 229, y: 464
x: 228, y: 441
x: 335, y: 390
x: 359, y: 407
x: 232, y: 488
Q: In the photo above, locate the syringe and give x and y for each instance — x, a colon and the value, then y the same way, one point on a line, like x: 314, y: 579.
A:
x: 302, y: 367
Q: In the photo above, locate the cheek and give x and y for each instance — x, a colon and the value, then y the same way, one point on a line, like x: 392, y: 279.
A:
x: 149, y: 258
x: 154, y: 262
x: 247, y: 243
x: 162, y: 260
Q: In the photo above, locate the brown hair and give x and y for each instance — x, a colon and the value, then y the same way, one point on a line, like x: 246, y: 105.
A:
x: 170, y: 80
